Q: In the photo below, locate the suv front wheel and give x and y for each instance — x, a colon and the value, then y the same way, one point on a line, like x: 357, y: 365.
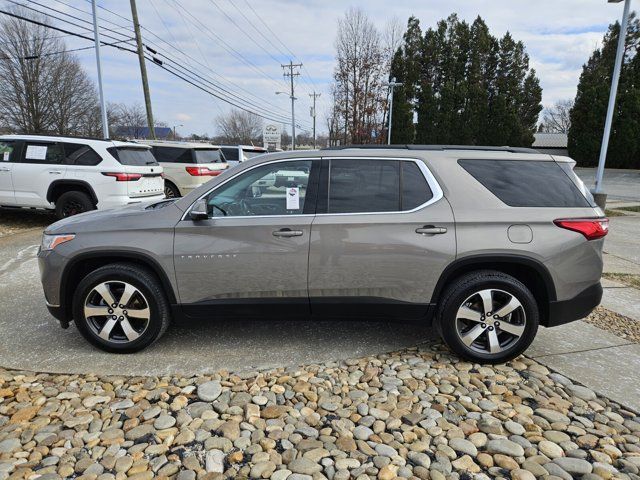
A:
x: 121, y: 308
x: 488, y: 317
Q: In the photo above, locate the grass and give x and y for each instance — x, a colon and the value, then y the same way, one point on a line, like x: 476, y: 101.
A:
x: 635, y: 208
x: 629, y: 279
x: 613, y: 213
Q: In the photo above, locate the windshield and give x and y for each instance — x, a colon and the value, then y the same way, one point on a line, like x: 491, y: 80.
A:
x: 252, y: 153
x: 212, y: 155
x: 132, y: 156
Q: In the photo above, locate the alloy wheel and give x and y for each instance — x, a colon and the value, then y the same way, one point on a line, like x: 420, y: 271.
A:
x: 490, y: 321
x: 117, y: 311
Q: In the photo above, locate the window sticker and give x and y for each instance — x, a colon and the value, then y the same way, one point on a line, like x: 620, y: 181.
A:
x: 293, y: 198
x: 36, y: 152
x: 5, y: 156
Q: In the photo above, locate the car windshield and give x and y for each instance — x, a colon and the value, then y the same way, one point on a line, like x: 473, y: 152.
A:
x: 133, y: 156
x: 212, y: 155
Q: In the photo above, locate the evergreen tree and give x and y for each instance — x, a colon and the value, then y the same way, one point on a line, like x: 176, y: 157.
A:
x: 590, y: 107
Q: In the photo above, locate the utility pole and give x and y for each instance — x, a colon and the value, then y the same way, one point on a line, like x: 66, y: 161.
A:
x: 599, y: 195
x: 96, y: 37
x: 143, y: 70
x: 292, y: 74
x: 392, y: 84
x: 314, y: 95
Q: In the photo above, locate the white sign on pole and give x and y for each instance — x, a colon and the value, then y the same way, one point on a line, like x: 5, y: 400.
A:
x: 271, y: 136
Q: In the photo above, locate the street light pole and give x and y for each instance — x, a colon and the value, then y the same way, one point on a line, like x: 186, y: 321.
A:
x: 392, y: 84
x: 612, y: 101
x: 174, y: 130
x: 96, y: 37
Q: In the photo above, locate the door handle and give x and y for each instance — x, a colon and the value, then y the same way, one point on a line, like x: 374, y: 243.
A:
x: 287, y: 232
x: 430, y: 230
x: 55, y: 172
x: 4, y: 170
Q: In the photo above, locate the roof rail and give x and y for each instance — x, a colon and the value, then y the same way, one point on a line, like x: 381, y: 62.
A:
x: 479, y: 148
x: 56, y: 135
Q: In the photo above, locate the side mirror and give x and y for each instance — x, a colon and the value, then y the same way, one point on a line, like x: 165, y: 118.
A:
x: 199, y: 211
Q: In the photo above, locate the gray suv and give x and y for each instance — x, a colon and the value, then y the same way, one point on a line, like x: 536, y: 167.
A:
x: 485, y: 244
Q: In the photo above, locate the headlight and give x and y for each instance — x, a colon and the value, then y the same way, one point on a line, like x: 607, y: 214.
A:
x: 49, y: 242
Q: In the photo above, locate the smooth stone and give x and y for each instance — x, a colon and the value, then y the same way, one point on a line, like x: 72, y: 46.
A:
x: 209, y: 391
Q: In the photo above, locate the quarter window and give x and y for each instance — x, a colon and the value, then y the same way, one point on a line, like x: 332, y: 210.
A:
x: 79, y: 154
x: 280, y: 188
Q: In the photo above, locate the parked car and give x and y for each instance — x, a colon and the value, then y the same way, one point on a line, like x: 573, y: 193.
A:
x: 485, y: 244
x: 236, y: 154
x: 73, y: 175
x: 186, y: 165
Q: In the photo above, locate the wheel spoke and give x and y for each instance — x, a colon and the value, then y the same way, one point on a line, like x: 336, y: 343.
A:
x: 469, y: 314
x: 494, y: 343
x: 105, y: 292
x: 106, y: 329
x: 129, y: 290
x: 128, y: 330
x: 469, y: 337
x: 511, y: 328
x: 93, y: 311
x: 139, y: 313
x: 508, y: 308
x: 487, y: 300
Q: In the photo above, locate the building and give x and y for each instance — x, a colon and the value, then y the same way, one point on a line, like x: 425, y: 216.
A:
x: 551, y: 143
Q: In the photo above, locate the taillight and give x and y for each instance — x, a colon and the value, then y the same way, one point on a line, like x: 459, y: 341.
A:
x: 203, y: 171
x: 591, y: 228
x: 123, y: 177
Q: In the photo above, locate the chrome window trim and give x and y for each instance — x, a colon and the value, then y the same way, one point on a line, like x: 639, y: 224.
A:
x: 436, y: 190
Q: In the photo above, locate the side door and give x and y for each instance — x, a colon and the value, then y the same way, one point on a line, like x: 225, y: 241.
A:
x: 382, y: 235
x: 249, y: 257
x: 8, y: 152
x: 40, y: 164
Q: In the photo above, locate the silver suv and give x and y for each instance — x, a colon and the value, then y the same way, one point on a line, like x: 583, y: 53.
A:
x: 484, y: 243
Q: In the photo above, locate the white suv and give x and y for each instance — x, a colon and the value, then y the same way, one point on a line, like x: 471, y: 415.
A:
x: 236, y: 154
x: 186, y: 165
x: 73, y: 175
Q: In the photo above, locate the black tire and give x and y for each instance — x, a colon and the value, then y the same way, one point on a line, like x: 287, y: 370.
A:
x: 73, y: 203
x: 151, y: 293
x: 170, y: 190
x: 462, y: 289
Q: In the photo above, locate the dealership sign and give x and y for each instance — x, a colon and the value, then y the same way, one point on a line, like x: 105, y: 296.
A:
x: 271, y: 136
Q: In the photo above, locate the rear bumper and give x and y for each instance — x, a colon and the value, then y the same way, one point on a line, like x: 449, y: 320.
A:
x: 565, y: 311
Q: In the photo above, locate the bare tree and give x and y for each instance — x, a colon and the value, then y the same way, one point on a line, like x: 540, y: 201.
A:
x: 392, y: 38
x: 359, y: 77
x: 238, y: 126
x: 43, y: 87
x: 557, y: 119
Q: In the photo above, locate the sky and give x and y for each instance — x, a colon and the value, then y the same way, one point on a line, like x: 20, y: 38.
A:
x: 240, y: 44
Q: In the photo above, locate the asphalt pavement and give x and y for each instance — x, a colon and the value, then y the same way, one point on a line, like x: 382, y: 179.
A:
x: 618, y: 184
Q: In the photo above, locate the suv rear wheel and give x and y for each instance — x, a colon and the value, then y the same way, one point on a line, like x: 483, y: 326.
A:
x: 170, y: 190
x: 72, y: 203
x: 488, y: 317
x: 121, y: 308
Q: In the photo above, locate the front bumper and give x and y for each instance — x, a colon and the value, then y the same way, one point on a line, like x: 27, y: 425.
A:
x: 565, y: 311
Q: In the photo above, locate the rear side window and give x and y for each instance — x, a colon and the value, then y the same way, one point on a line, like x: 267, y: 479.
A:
x: 415, y: 189
x: 208, y: 155
x: 47, y: 153
x: 361, y: 186
x: 79, y: 154
x: 520, y: 183
x: 230, y: 153
x: 249, y: 153
x: 6, y: 151
x: 132, y: 156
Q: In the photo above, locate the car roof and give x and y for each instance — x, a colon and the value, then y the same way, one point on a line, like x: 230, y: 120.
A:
x: 175, y: 144
x: 68, y: 139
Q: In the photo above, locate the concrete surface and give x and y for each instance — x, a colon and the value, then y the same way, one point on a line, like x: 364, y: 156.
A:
x: 622, y: 245
x: 33, y: 340
x: 618, y: 184
x: 622, y: 299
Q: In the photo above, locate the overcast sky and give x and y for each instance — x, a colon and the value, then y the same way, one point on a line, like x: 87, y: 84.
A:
x: 224, y: 46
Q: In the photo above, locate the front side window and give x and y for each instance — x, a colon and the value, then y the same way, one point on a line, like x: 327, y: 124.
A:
x: 6, y: 150
x: 49, y: 153
x: 280, y: 188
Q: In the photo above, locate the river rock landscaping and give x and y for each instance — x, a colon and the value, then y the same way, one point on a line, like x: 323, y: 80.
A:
x: 414, y: 414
